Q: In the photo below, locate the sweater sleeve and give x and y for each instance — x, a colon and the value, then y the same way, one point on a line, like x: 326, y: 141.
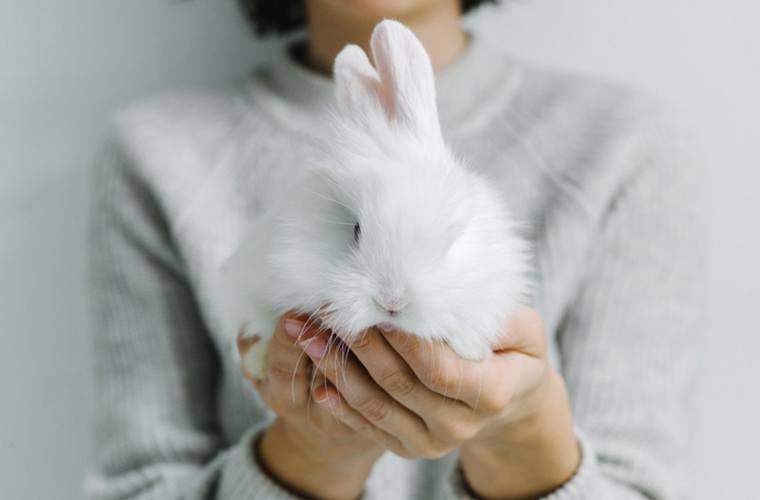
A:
x: 156, y: 430
x: 629, y: 345
x: 629, y: 341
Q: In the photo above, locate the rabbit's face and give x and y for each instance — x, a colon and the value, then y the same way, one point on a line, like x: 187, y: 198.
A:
x: 404, y: 219
x: 410, y: 239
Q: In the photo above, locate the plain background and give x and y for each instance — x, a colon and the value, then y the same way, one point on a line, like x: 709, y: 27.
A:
x: 65, y: 66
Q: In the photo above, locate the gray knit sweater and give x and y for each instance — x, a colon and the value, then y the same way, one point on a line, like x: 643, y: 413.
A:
x: 602, y: 179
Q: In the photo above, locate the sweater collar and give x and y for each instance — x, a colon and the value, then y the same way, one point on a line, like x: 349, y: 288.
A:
x: 468, y: 90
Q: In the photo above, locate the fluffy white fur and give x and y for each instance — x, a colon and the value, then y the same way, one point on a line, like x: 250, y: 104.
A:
x: 436, y: 245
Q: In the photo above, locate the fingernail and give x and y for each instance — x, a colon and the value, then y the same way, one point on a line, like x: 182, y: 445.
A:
x: 328, y: 401
x: 321, y: 395
x: 292, y: 327
x: 385, y: 327
x: 315, y: 347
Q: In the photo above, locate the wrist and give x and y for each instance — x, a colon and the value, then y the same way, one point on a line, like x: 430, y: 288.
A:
x: 302, y: 466
x: 529, y: 456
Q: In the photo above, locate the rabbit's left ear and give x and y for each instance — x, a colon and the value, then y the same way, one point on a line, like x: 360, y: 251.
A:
x: 407, y: 78
x: 358, y: 90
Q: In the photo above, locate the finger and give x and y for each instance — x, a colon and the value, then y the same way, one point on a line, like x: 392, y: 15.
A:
x: 486, y: 386
x: 362, y: 394
x: 389, y: 370
x: 520, y: 374
x: 520, y: 355
x: 287, y: 374
x: 441, y: 369
x: 328, y: 403
x: 321, y: 402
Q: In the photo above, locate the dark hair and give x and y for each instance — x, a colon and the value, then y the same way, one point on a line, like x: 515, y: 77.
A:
x: 284, y: 16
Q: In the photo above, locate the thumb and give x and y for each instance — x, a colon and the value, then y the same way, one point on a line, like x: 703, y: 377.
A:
x: 524, y: 332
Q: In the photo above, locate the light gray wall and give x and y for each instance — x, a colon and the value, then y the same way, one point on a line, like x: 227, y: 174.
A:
x: 65, y: 65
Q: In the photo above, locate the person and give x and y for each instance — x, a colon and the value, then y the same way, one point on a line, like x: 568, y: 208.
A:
x: 588, y: 396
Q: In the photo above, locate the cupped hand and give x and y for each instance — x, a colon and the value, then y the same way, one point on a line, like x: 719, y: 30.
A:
x: 508, y: 414
x: 346, y: 402
x: 308, y: 449
x: 422, y: 397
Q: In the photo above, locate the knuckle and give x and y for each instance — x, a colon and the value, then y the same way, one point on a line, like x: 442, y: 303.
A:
x: 459, y: 432
x: 533, y: 319
x: 493, y: 402
x: 330, y: 365
x: 375, y: 410
x: 440, y: 381
x: 443, y: 377
x: 362, y: 341
x: 398, y: 383
x: 364, y: 429
x: 435, y: 451
x: 408, y: 345
x: 282, y: 345
x: 336, y: 411
x: 282, y: 406
x: 404, y: 452
x: 279, y: 408
x: 429, y: 446
x: 280, y: 370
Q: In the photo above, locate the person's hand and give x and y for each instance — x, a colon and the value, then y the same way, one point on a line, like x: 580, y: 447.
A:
x: 307, y: 448
x: 508, y: 414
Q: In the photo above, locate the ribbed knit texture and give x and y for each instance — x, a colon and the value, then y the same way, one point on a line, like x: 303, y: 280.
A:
x: 604, y: 185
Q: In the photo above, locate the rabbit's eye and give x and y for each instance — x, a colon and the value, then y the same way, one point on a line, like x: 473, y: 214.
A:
x: 357, y: 232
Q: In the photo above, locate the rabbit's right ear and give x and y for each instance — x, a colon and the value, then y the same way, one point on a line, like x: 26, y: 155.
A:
x: 358, y: 89
x: 407, y: 77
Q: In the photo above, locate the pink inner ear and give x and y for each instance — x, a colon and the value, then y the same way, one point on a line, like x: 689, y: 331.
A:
x: 377, y: 88
x: 359, y: 82
x: 380, y: 53
x: 384, y: 95
x: 386, y: 99
x: 404, y: 68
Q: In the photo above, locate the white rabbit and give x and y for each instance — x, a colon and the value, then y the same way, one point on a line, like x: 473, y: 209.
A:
x: 389, y: 228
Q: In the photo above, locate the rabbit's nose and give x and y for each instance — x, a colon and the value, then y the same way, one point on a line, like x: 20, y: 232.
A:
x: 392, y: 306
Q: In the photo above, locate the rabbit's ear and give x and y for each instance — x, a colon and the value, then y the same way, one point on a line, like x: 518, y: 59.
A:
x: 358, y: 88
x: 407, y: 77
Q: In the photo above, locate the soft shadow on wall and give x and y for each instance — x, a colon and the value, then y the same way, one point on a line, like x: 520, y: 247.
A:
x: 66, y: 68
